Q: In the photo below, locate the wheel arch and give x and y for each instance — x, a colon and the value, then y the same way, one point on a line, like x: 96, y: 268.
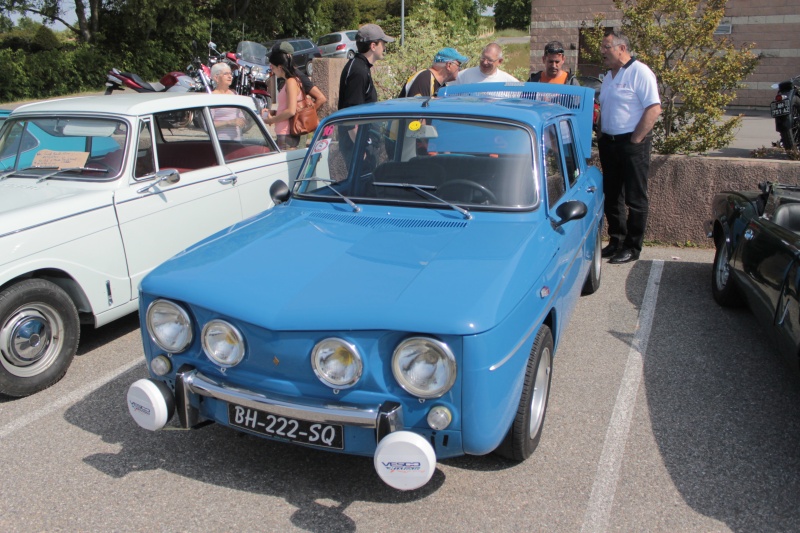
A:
x: 64, y: 281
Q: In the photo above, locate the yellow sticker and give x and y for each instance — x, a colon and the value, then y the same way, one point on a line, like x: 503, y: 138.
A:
x: 414, y: 126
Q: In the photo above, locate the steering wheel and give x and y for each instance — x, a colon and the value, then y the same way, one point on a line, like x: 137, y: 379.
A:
x: 470, y: 184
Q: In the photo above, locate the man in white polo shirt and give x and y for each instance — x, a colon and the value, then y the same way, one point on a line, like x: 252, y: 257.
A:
x: 488, y: 69
x: 630, y: 106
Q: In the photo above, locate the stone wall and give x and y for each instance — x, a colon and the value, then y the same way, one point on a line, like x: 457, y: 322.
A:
x: 680, y: 187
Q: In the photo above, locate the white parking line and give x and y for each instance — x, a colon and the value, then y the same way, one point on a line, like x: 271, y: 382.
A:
x: 72, y: 397
x: 601, y: 500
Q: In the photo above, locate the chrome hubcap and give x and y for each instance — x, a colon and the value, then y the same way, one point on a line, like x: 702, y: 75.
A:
x: 30, y: 340
x: 539, y: 397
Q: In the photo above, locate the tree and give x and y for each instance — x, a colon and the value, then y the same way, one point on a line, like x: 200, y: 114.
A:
x: 514, y: 14
x: 698, y: 73
x: 84, y: 28
x: 427, y: 31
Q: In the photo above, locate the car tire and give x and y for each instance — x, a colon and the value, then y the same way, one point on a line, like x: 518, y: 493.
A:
x: 592, y: 282
x: 351, y: 54
x: 309, y: 68
x: 526, y: 429
x: 789, y: 128
x: 723, y: 286
x: 39, y: 331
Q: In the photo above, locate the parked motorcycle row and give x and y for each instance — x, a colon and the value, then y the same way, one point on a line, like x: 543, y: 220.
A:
x: 786, y: 112
x: 251, y: 76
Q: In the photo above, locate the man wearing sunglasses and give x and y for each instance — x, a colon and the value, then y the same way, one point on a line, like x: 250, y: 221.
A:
x: 553, y: 60
x: 488, y: 69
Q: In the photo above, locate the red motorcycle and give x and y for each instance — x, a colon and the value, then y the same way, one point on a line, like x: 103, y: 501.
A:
x: 250, y: 71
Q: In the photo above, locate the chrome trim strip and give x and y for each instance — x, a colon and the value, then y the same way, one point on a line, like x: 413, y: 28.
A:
x: 197, y: 383
x: 20, y: 230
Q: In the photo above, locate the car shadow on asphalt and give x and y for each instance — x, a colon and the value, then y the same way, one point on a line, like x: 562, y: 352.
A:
x: 232, y: 460
x: 723, y: 404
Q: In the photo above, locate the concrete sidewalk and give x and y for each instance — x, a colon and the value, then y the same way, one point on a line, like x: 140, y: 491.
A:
x: 757, y: 131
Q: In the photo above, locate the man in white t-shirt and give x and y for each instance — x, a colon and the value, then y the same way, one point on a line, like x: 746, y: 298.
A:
x: 629, y: 107
x: 488, y: 69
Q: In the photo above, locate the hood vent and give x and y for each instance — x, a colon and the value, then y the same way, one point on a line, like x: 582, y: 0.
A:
x: 383, y: 222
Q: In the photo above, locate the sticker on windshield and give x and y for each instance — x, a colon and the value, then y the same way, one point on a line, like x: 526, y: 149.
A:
x: 415, y: 125
x: 321, y: 145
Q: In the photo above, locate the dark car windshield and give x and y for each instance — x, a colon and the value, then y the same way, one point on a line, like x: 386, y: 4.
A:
x: 64, y: 142
x: 473, y: 163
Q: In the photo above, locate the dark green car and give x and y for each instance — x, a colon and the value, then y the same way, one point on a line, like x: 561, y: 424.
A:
x: 757, y: 236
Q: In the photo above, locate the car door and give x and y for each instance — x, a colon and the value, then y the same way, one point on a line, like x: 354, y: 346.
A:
x: 561, y: 184
x: 158, y: 219
x: 254, y: 161
x: 763, y: 262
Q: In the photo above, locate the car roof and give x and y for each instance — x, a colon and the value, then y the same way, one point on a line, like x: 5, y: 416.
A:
x: 132, y: 104
x: 531, y: 103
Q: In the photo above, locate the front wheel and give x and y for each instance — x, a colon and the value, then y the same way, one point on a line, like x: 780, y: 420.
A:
x: 526, y: 430
x: 39, y: 330
x: 723, y: 286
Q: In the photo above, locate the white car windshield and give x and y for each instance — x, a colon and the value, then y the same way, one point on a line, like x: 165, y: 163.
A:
x: 472, y: 163
x: 94, y: 147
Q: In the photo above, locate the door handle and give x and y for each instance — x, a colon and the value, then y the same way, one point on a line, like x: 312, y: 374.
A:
x: 591, y: 188
x: 230, y: 179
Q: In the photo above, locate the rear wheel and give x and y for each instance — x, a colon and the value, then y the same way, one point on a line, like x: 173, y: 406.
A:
x: 39, y: 330
x: 309, y: 68
x: 790, y: 128
x: 723, y: 286
x: 526, y: 430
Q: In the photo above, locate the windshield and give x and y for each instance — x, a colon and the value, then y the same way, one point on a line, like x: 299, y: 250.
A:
x: 467, y: 162
x: 252, y: 52
x: 94, y: 145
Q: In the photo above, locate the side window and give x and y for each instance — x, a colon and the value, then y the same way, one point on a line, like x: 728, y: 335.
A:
x: 145, y: 158
x: 553, y: 172
x: 245, y: 139
x: 183, y: 141
x: 570, y: 158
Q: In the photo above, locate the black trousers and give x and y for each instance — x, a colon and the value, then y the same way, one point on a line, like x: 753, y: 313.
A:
x: 625, y: 167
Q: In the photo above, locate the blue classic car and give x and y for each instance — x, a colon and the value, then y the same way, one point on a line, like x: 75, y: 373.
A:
x: 757, y: 262
x: 405, y: 299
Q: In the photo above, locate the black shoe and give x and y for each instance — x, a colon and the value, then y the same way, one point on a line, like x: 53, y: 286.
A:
x: 609, y: 250
x: 626, y: 255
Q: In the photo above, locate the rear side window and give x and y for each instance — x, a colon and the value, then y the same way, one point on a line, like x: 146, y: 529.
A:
x: 352, y: 35
x: 329, y: 39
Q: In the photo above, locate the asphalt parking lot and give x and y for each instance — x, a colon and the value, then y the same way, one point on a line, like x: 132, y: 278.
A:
x: 667, y: 413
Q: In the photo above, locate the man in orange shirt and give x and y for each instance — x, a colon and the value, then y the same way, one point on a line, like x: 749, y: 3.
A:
x: 553, y: 60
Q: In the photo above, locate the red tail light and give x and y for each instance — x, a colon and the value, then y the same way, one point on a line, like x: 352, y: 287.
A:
x: 779, y: 97
x: 341, y: 46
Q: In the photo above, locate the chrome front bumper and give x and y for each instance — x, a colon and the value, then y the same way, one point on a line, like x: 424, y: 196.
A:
x: 385, y: 418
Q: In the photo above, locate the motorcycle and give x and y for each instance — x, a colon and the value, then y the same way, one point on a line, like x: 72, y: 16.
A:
x: 250, y: 71
x: 786, y: 112
x: 196, y: 80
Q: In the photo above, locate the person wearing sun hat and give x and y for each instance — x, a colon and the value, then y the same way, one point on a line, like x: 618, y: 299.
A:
x: 446, y: 64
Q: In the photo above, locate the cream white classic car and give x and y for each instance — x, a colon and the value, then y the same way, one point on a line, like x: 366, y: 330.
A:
x: 97, y: 191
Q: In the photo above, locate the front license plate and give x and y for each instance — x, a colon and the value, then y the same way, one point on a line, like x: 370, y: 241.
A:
x: 291, y: 429
x: 778, y: 109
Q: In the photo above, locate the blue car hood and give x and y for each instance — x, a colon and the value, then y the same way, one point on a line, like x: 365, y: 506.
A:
x: 296, y: 269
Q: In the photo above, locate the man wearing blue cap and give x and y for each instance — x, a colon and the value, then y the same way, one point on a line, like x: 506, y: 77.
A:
x: 446, y: 64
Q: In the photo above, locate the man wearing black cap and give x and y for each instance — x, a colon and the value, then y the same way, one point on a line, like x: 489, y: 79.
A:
x: 355, y: 83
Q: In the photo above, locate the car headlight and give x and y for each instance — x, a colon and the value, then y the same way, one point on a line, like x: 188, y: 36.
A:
x: 424, y: 367
x: 336, y: 363
x: 223, y: 343
x: 169, y: 326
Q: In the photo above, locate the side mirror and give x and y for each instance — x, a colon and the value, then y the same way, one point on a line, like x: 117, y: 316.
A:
x: 279, y: 192
x: 572, y: 210
x: 169, y: 175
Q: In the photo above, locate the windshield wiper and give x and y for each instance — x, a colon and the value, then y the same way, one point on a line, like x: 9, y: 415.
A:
x: 327, y: 183
x: 70, y: 169
x: 421, y: 189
